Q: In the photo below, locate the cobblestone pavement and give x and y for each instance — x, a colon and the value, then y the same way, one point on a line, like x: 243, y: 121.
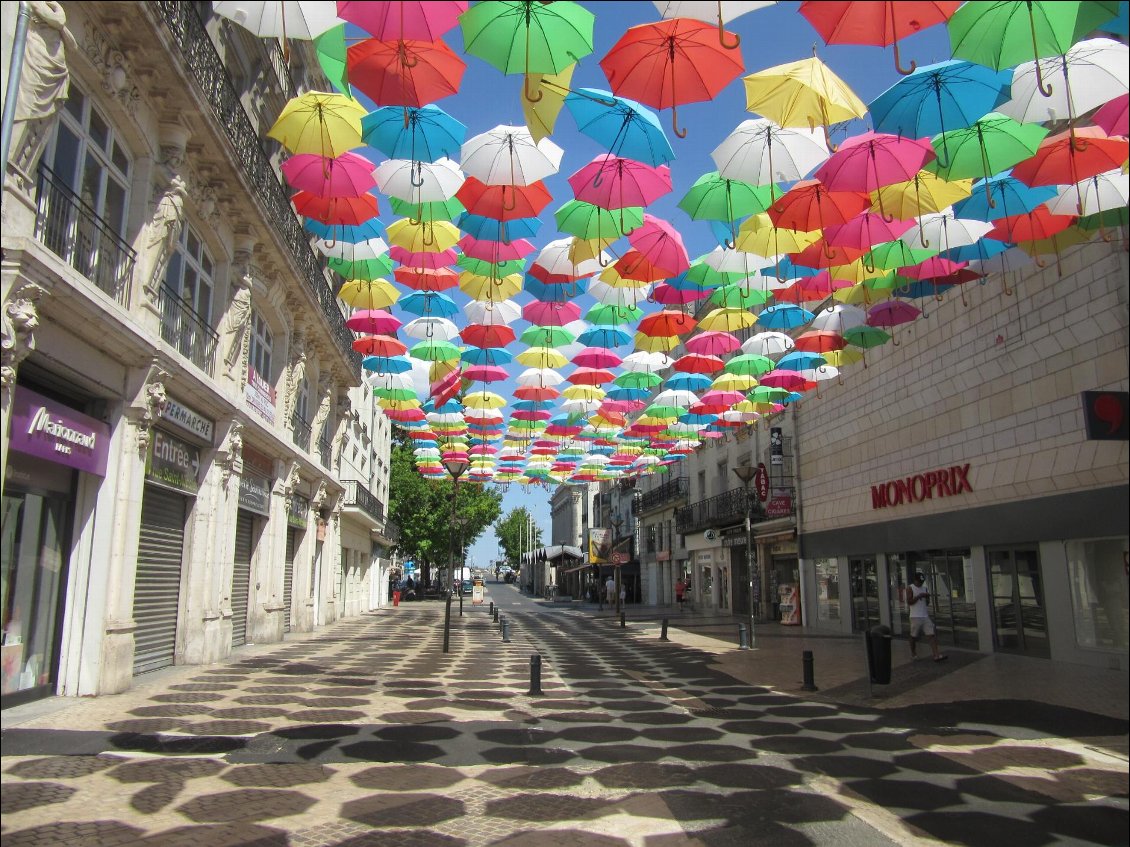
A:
x: 366, y: 733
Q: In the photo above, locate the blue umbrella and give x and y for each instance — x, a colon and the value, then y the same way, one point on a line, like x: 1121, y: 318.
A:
x: 488, y: 229
x: 386, y: 364
x: 984, y: 249
x: 346, y: 233
x: 626, y: 128
x: 487, y: 356
x: 693, y: 418
x: 800, y: 360
x: 1121, y: 24
x: 936, y: 98
x: 555, y: 292
x: 431, y: 133
x: 628, y: 394
x: 783, y: 316
x: 605, y: 336
x: 1010, y: 197
x: 688, y: 382
x: 532, y: 405
x: 431, y: 303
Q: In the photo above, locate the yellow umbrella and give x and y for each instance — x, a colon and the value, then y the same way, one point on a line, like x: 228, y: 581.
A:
x: 423, y: 236
x: 856, y: 271
x: 483, y: 400
x: 583, y: 392
x: 542, y: 357
x: 612, y: 277
x: 839, y: 358
x: 760, y: 236
x: 656, y: 343
x: 325, y: 124
x: 368, y: 294
x: 748, y: 406
x: 438, y: 370
x: 804, y: 94
x: 860, y: 295
x: 735, y: 382
x: 581, y: 250
x: 923, y: 194
x: 727, y: 319
x: 479, y: 287
x: 399, y: 405
x: 541, y: 112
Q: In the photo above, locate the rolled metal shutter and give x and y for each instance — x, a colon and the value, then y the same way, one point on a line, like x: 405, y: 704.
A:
x: 241, y: 577
x: 156, y: 593
x: 288, y: 576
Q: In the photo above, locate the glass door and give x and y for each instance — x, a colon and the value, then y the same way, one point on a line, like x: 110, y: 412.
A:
x: 863, y: 575
x: 1019, y: 619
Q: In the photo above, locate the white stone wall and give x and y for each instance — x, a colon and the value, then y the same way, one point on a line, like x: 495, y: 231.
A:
x: 995, y: 384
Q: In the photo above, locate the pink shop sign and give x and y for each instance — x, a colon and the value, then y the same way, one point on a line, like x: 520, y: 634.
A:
x: 49, y: 430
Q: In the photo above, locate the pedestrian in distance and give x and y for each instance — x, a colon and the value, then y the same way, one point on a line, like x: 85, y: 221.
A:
x: 680, y: 592
x: 918, y: 599
x: 610, y: 591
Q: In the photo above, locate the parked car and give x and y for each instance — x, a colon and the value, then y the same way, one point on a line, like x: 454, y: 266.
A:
x: 466, y: 586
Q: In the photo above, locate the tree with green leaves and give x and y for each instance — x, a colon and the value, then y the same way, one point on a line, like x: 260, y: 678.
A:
x: 514, y: 534
x: 422, y: 509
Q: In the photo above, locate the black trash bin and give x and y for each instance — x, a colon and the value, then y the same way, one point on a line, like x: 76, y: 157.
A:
x: 879, y: 654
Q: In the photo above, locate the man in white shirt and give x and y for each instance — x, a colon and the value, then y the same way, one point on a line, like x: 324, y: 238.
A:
x: 918, y: 599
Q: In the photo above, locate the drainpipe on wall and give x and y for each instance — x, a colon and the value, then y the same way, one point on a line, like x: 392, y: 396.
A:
x: 15, y: 70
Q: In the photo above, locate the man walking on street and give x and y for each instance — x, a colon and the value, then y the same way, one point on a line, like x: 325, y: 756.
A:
x: 918, y: 598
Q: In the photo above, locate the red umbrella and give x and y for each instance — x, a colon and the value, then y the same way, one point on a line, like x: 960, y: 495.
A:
x: 348, y: 211
x: 550, y: 314
x: 422, y: 21
x: 379, y: 345
x: 372, y: 321
x: 823, y: 255
x: 495, y: 251
x: 820, y: 341
x: 1070, y: 157
x: 667, y: 323
x: 810, y: 205
x: 612, y: 182
x: 427, y: 279
x: 635, y: 266
x: 422, y: 260
x: 661, y: 244
x: 503, y: 202
x: 590, y: 376
x: 540, y: 273
x: 487, y: 335
x: 1030, y: 226
x: 669, y: 63
x: 536, y: 392
x: 880, y: 24
x: 404, y: 73
x: 811, y: 288
x: 697, y: 363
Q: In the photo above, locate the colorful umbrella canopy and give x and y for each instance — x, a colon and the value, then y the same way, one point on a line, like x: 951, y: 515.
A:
x: 404, y: 73
x: 508, y: 155
x: 947, y: 95
x: 319, y: 123
x: 394, y: 21
x: 623, y: 126
x: 802, y: 94
x: 424, y: 134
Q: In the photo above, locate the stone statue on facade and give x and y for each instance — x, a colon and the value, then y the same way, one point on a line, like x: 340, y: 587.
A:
x: 325, y: 401
x: 159, y: 237
x: 44, y: 85
x: 153, y: 400
x: 237, y: 321
x: 297, y: 371
x: 231, y: 458
x: 18, y: 323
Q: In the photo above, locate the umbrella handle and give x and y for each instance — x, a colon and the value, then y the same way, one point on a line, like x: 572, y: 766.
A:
x: 682, y: 133
x: 513, y: 199
x: 1046, y: 90
x: 722, y: 32
x: 898, y: 64
x: 413, y: 171
x: 922, y: 234
x: 529, y: 95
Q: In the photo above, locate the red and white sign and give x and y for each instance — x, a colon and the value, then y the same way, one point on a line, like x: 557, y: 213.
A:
x: 260, y: 395
x: 620, y: 558
x: 761, y: 482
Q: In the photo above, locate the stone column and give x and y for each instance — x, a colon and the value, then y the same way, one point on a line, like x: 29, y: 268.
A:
x: 18, y: 322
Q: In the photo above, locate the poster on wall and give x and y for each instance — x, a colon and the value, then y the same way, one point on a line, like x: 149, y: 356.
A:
x: 600, y: 545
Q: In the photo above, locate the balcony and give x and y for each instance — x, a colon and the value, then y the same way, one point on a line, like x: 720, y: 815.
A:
x: 673, y: 489
x: 720, y: 510
x: 76, y: 234
x: 300, y: 431
x: 325, y: 447
x: 186, y: 330
x: 199, y: 56
x: 358, y: 497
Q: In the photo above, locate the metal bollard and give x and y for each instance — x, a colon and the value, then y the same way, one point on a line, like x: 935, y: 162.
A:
x: 743, y: 637
x: 492, y: 607
x: 495, y: 611
x: 663, y: 631
x: 506, y: 631
x: 809, y: 677
x: 460, y: 604
x: 622, y: 624
x: 447, y: 626
x: 535, y: 674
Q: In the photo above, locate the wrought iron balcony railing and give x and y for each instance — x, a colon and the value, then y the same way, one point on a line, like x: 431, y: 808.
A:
x: 673, y: 489
x: 300, y: 431
x: 325, y: 447
x: 187, y: 330
x: 360, y: 497
x: 76, y: 234
x: 207, y: 68
x: 392, y: 532
x: 726, y: 508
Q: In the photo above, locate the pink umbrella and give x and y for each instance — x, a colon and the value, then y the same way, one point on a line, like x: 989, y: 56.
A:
x: 622, y: 406
x: 935, y: 266
x: 713, y: 343
x: 788, y: 380
x: 661, y: 244
x: 1112, y: 117
x: 550, y: 314
x: 597, y: 357
x: 485, y: 373
x: 372, y: 322
x: 612, y: 182
x: 874, y: 160
x: 891, y: 313
x: 865, y: 230
x: 349, y: 175
x: 422, y: 260
x: 495, y: 251
x: 668, y: 295
x: 721, y: 400
x: 396, y: 21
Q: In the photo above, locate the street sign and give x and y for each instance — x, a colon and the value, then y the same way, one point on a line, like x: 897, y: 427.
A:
x: 620, y: 558
x: 761, y: 482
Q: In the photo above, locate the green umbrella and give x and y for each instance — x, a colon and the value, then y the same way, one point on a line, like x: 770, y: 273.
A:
x: 434, y: 350
x: 330, y: 49
x: 495, y: 270
x: 1099, y: 220
x: 395, y: 393
x: 1003, y: 34
x: 766, y: 394
x: 664, y: 411
x: 638, y: 379
x: 547, y: 336
x: 364, y: 269
x: 436, y: 210
x: 993, y: 144
x: 865, y: 336
x: 612, y: 315
x: 714, y: 198
x: 703, y: 275
x: 527, y: 36
x: 587, y: 222
x: 895, y: 254
x: 735, y: 295
x: 749, y: 364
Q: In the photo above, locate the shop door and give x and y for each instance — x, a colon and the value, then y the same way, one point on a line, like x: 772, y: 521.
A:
x: 241, y: 576
x: 864, y: 577
x: 741, y: 580
x: 952, y: 603
x: 288, y: 576
x: 1019, y: 619
x: 156, y: 594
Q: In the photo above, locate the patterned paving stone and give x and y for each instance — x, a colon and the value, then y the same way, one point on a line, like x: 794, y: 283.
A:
x: 398, y: 777
x: 21, y: 796
x: 418, y: 810
x: 62, y: 767
x: 277, y: 775
x: 248, y: 804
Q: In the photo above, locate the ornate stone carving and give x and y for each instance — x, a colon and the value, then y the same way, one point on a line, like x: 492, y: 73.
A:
x: 111, y: 62
x: 290, y: 481
x: 17, y: 330
x: 152, y: 401
x: 319, y: 499
x: 325, y: 403
x: 230, y: 459
x: 159, y: 237
x: 297, y: 372
x: 236, y: 326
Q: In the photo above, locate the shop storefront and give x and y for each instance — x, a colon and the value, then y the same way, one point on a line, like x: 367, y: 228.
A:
x: 51, y: 443
x: 297, y: 517
x: 250, y: 519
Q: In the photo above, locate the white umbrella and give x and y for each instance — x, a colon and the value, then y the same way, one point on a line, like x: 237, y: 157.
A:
x: 838, y: 318
x: 1099, y: 193
x: 761, y: 152
x: 540, y: 377
x: 554, y: 257
x: 1091, y: 73
x: 768, y: 344
x: 419, y: 182
x: 942, y: 231
x: 709, y: 10
x: 492, y: 312
x: 625, y: 296
x: 676, y: 397
x: 389, y: 380
x: 735, y: 261
x: 301, y: 19
x: 586, y: 407
x: 508, y: 155
x: 644, y: 361
x: 440, y: 328
x: 374, y: 248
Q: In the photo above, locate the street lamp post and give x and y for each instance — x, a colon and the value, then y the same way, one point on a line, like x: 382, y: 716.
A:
x: 617, y: 522
x: 745, y: 474
x: 456, y: 467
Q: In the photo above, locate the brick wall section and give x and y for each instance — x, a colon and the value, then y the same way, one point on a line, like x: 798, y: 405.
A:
x: 994, y: 382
